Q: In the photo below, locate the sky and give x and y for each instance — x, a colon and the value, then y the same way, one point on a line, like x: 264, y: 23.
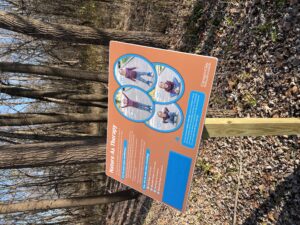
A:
x: 7, y: 38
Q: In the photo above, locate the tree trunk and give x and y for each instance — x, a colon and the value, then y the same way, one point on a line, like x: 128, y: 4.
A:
x: 76, y: 34
x: 25, y: 119
x: 52, y: 71
x: 85, y: 178
x: 41, y: 95
x: 90, y: 150
x: 7, y: 141
x: 59, y: 98
x: 81, y: 103
x: 39, y: 137
x: 67, y: 203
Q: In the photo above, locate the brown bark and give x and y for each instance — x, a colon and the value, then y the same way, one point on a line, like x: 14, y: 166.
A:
x: 7, y: 141
x: 67, y: 203
x: 84, y: 99
x: 70, y: 102
x: 24, y: 119
x: 76, y: 34
x: 52, y: 71
x: 66, y: 180
x: 39, y: 137
x: 90, y: 150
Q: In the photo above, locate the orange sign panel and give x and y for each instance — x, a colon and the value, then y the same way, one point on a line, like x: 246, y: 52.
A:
x: 156, y: 112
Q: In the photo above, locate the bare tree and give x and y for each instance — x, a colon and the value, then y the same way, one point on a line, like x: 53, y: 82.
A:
x: 11, y: 136
x: 52, y: 71
x: 68, y: 203
x: 41, y: 94
x: 25, y: 119
x: 88, y: 150
x: 75, y: 33
x: 66, y: 97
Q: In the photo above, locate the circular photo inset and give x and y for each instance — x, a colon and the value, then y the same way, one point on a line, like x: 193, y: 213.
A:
x: 134, y: 103
x: 170, y: 85
x: 135, y: 70
x: 167, y: 118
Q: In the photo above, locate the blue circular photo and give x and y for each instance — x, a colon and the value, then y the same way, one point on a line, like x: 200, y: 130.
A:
x: 132, y: 69
x: 169, y: 86
x: 166, y: 118
x: 134, y: 103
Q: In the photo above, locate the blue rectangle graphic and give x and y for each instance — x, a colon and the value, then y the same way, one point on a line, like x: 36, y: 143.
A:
x: 176, y: 179
x: 193, y: 119
x: 125, y: 146
x: 146, y: 168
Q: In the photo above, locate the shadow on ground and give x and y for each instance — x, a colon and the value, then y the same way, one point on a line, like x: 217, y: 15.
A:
x: 128, y: 212
x: 286, y: 193
x: 202, y: 25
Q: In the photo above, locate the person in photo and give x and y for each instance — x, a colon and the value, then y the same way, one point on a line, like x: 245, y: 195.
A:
x: 134, y: 75
x: 127, y: 102
x: 172, y: 87
x: 167, y: 116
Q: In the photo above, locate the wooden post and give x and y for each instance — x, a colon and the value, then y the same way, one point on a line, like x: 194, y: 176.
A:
x: 228, y: 127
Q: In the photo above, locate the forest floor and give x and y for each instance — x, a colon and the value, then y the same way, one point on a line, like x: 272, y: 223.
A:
x: 250, y: 180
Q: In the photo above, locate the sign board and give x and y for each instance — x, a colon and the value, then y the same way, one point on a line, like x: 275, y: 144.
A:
x: 156, y: 112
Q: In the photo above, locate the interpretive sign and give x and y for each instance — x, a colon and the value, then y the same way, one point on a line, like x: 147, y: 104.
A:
x: 156, y: 112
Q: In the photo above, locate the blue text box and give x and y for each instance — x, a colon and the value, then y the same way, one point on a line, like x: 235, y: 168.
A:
x: 146, y: 168
x: 193, y: 119
x: 124, y: 156
x: 178, y: 171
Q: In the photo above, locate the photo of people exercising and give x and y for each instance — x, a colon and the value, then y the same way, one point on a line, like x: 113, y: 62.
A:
x: 132, y: 74
x: 127, y: 102
x: 166, y: 118
x: 134, y: 103
x: 135, y: 70
x: 170, y: 85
